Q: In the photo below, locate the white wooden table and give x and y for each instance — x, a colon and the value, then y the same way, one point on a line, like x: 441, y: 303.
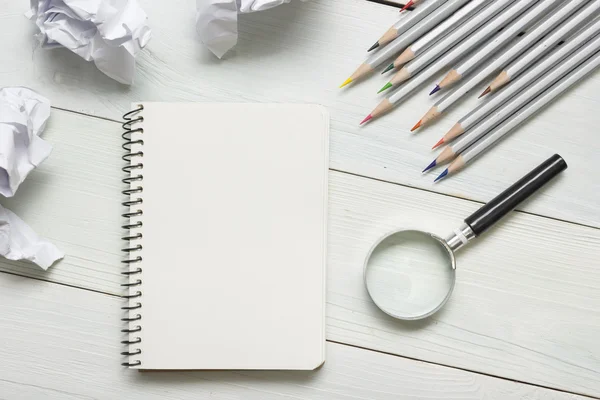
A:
x: 523, y: 322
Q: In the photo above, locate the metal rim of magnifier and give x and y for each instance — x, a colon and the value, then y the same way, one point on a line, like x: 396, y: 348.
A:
x: 428, y: 235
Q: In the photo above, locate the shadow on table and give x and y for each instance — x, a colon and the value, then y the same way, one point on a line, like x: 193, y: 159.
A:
x: 391, y: 324
x: 261, y: 381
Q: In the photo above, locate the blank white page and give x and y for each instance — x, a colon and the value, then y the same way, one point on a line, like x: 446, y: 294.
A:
x: 234, y: 236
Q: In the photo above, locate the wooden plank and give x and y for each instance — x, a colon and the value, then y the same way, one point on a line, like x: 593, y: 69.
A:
x: 299, y: 53
x: 60, y: 342
x: 525, y: 306
x: 74, y: 200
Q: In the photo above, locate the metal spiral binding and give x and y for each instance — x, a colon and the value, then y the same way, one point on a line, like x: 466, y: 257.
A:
x: 133, y: 171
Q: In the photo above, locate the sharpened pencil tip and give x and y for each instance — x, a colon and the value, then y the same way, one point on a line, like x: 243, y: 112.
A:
x: 347, y: 81
x: 367, y: 118
x: 486, y: 91
x: 438, y: 144
x: 407, y: 5
x: 442, y: 175
x: 432, y: 165
x: 386, y: 87
x: 389, y: 67
x: 376, y: 45
x: 417, y: 126
x: 436, y: 89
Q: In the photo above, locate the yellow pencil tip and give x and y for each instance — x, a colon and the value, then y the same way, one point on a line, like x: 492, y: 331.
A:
x: 347, y: 81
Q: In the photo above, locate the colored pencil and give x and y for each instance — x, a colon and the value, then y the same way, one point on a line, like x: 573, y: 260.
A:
x: 407, y: 21
x: 516, y: 103
x: 568, y: 54
x: 408, y: 37
x: 400, y: 43
x: 539, y: 31
x: 428, y: 40
x: 408, y: 88
x: 411, y: 3
x: 502, y: 38
x: 490, y: 19
x: 528, y: 59
x: 521, y: 116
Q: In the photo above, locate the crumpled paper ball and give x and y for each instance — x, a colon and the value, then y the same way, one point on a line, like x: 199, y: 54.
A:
x: 108, y: 32
x: 19, y: 242
x: 216, y: 21
x: 23, y: 116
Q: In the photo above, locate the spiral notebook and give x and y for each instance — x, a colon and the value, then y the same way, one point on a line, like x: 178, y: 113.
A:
x: 226, y: 224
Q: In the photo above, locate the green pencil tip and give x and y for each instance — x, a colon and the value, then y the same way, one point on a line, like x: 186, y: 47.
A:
x: 387, y: 86
x: 389, y: 67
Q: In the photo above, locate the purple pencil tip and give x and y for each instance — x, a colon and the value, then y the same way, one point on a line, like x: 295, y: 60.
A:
x: 433, y: 164
x: 436, y: 89
x: 442, y: 175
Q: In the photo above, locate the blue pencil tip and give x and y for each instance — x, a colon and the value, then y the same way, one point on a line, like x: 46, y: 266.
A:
x: 442, y: 175
x: 433, y: 164
x: 436, y: 89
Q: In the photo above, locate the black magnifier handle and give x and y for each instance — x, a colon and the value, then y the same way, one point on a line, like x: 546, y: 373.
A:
x: 505, y: 202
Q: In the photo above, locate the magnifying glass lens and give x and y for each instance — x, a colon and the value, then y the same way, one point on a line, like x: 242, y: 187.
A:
x: 409, y: 275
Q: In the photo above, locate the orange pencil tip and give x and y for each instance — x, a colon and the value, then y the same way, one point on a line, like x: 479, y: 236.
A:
x: 438, y: 144
x: 417, y: 126
x: 367, y: 118
x: 486, y: 91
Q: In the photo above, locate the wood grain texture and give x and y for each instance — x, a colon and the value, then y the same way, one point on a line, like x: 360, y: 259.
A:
x: 526, y: 305
x: 300, y: 53
x: 74, y: 200
x: 63, y: 343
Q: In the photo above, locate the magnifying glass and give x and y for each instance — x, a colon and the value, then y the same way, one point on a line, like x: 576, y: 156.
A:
x: 410, y: 274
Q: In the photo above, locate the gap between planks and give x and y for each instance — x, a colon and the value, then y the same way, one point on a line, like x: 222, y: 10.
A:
x: 355, y: 346
x: 461, y: 198
x: 464, y: 369
x: 373, y: 178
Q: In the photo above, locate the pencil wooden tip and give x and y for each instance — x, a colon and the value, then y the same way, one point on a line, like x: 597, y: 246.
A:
x: 486, y: 91
x: 367, y: 118
x: 430, y: 115
x: 450, y: 79
x: 376, y: 45
x: 436, y: 89
x: 438, y: 144
x: 454, y: 132
x: 405, y: 57
x: 417, y: 126
x: 347, y: 81
x: 401, y: 76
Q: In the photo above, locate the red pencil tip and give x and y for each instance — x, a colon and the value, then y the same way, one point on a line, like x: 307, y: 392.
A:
x: 438, y: 144
x: 417, y: 126
x: 486, y: 91
x: 367, y: 118
x: 407, y: 5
